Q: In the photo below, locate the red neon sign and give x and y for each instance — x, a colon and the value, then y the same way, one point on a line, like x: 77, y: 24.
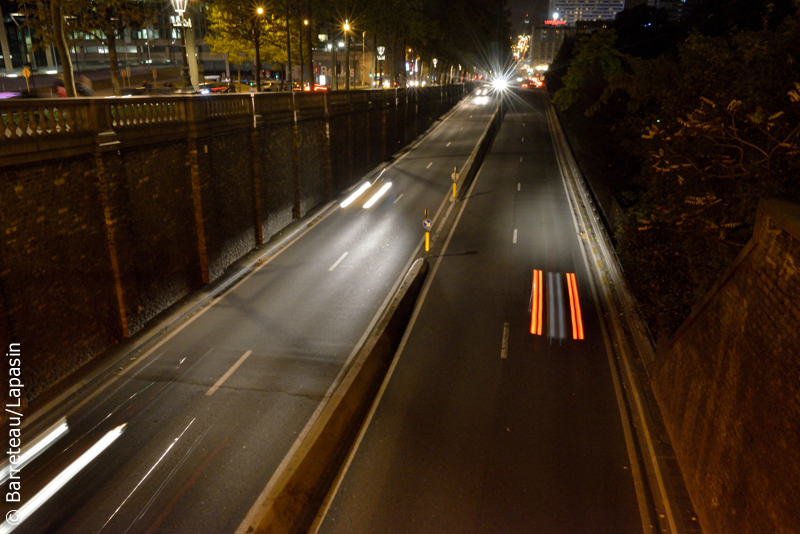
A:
x: 555, y: 22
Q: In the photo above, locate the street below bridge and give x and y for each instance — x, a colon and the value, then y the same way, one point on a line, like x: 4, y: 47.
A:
x: 502, y: 412
x: 208, y: 414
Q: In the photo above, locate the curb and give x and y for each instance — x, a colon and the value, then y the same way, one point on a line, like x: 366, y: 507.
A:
x: 292, y: 503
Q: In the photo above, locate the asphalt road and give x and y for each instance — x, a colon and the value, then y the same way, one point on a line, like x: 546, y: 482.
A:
x: 213, y: 411
x: 472, y: 437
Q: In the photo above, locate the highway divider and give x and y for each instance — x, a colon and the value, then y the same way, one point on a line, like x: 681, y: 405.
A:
x: 294, y: 499
x: 470, y: 169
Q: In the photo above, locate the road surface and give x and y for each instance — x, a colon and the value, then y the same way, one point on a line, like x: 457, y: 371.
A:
x: 485, y: 427
x: 212, y: 411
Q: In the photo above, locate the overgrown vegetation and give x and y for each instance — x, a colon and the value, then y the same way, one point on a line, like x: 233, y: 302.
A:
x: 710, y: 115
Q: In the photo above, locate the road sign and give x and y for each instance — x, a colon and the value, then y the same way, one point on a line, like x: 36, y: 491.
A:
x: 26, y: 72
x: 427, y: 224
x: 123, y: 72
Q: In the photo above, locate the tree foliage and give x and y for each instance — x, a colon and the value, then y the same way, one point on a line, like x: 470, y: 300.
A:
x: 716, y: 126
x: 234, y: 27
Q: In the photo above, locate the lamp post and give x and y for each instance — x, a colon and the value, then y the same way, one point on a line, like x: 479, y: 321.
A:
x: 435, y: 61
x: 363, y: 63
x: 180, y: 8
x: 330, y: 49
x: 257, y: 34
x: 311, y: 80
x: 347, y: 55
x: 381, y: 57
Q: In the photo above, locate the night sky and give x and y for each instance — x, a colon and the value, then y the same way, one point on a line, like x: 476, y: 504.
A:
x: 536, y: 8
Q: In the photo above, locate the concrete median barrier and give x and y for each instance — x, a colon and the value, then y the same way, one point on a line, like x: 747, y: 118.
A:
x: 470, y: 169
x: 293, y: 501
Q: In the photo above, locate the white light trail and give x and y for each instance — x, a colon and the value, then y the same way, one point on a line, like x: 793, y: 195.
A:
x: 378, y: 195
x: 61, y: 480
x: 35, y: 448
x: 147, y: 474
x: 349, y: 200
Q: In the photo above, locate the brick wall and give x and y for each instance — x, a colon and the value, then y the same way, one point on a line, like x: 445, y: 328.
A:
x: 230, y: 217
x: 110, y: 221
x: 157, y: 240
x: 311, y: 144
x: 276, y: 176
x: 728, y: 385
x: 56, y: 285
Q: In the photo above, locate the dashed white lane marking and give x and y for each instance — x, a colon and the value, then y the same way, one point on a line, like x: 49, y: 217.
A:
x: 504, y: 346
x: 523, y: 125
x: 523, y: 139
x: 448, y: 143
x: 398, y: 198
x: 520, y: 159
x: 460, y: 128
x: 470, y: 116
x: 429, y: 165
x: 339, y: 260
x: 515, y: 236
x: 227, y: 375
x: 519, y: 186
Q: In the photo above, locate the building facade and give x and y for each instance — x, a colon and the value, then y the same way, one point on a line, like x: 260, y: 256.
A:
x: 572, y: 11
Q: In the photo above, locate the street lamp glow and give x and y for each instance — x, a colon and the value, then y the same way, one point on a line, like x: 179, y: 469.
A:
x: 260, y: 10
x: 500, y: 84
x: 305, y: 22
x: 346, y: 26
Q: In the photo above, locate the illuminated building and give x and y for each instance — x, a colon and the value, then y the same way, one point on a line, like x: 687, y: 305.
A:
x: 571, y: 11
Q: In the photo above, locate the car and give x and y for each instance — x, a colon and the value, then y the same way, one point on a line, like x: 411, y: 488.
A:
x: 307, y: 88
x: 270, y: 85
x: 215, y: 88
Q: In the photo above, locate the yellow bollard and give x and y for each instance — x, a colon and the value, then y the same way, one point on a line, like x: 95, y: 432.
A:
x: 454, y: 190
x: 427, y: 242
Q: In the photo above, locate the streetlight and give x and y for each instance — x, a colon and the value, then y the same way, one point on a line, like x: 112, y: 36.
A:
x: 381, y: 58
x: 347, y: 55
x: 435, y: 61
x: 332, y: 52
x: 311, y: 79
x: 180, y: 8
x: 257, y: 33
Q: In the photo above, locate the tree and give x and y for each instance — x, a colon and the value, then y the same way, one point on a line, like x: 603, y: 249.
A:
x: 716, y: 127
x: 46, y: 18
x: 236, y: 28
x: 107, y: 21
x: 54, y: 21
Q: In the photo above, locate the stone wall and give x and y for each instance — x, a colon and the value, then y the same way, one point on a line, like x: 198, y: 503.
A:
x: 728, y: 385
x: 114, y: 209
